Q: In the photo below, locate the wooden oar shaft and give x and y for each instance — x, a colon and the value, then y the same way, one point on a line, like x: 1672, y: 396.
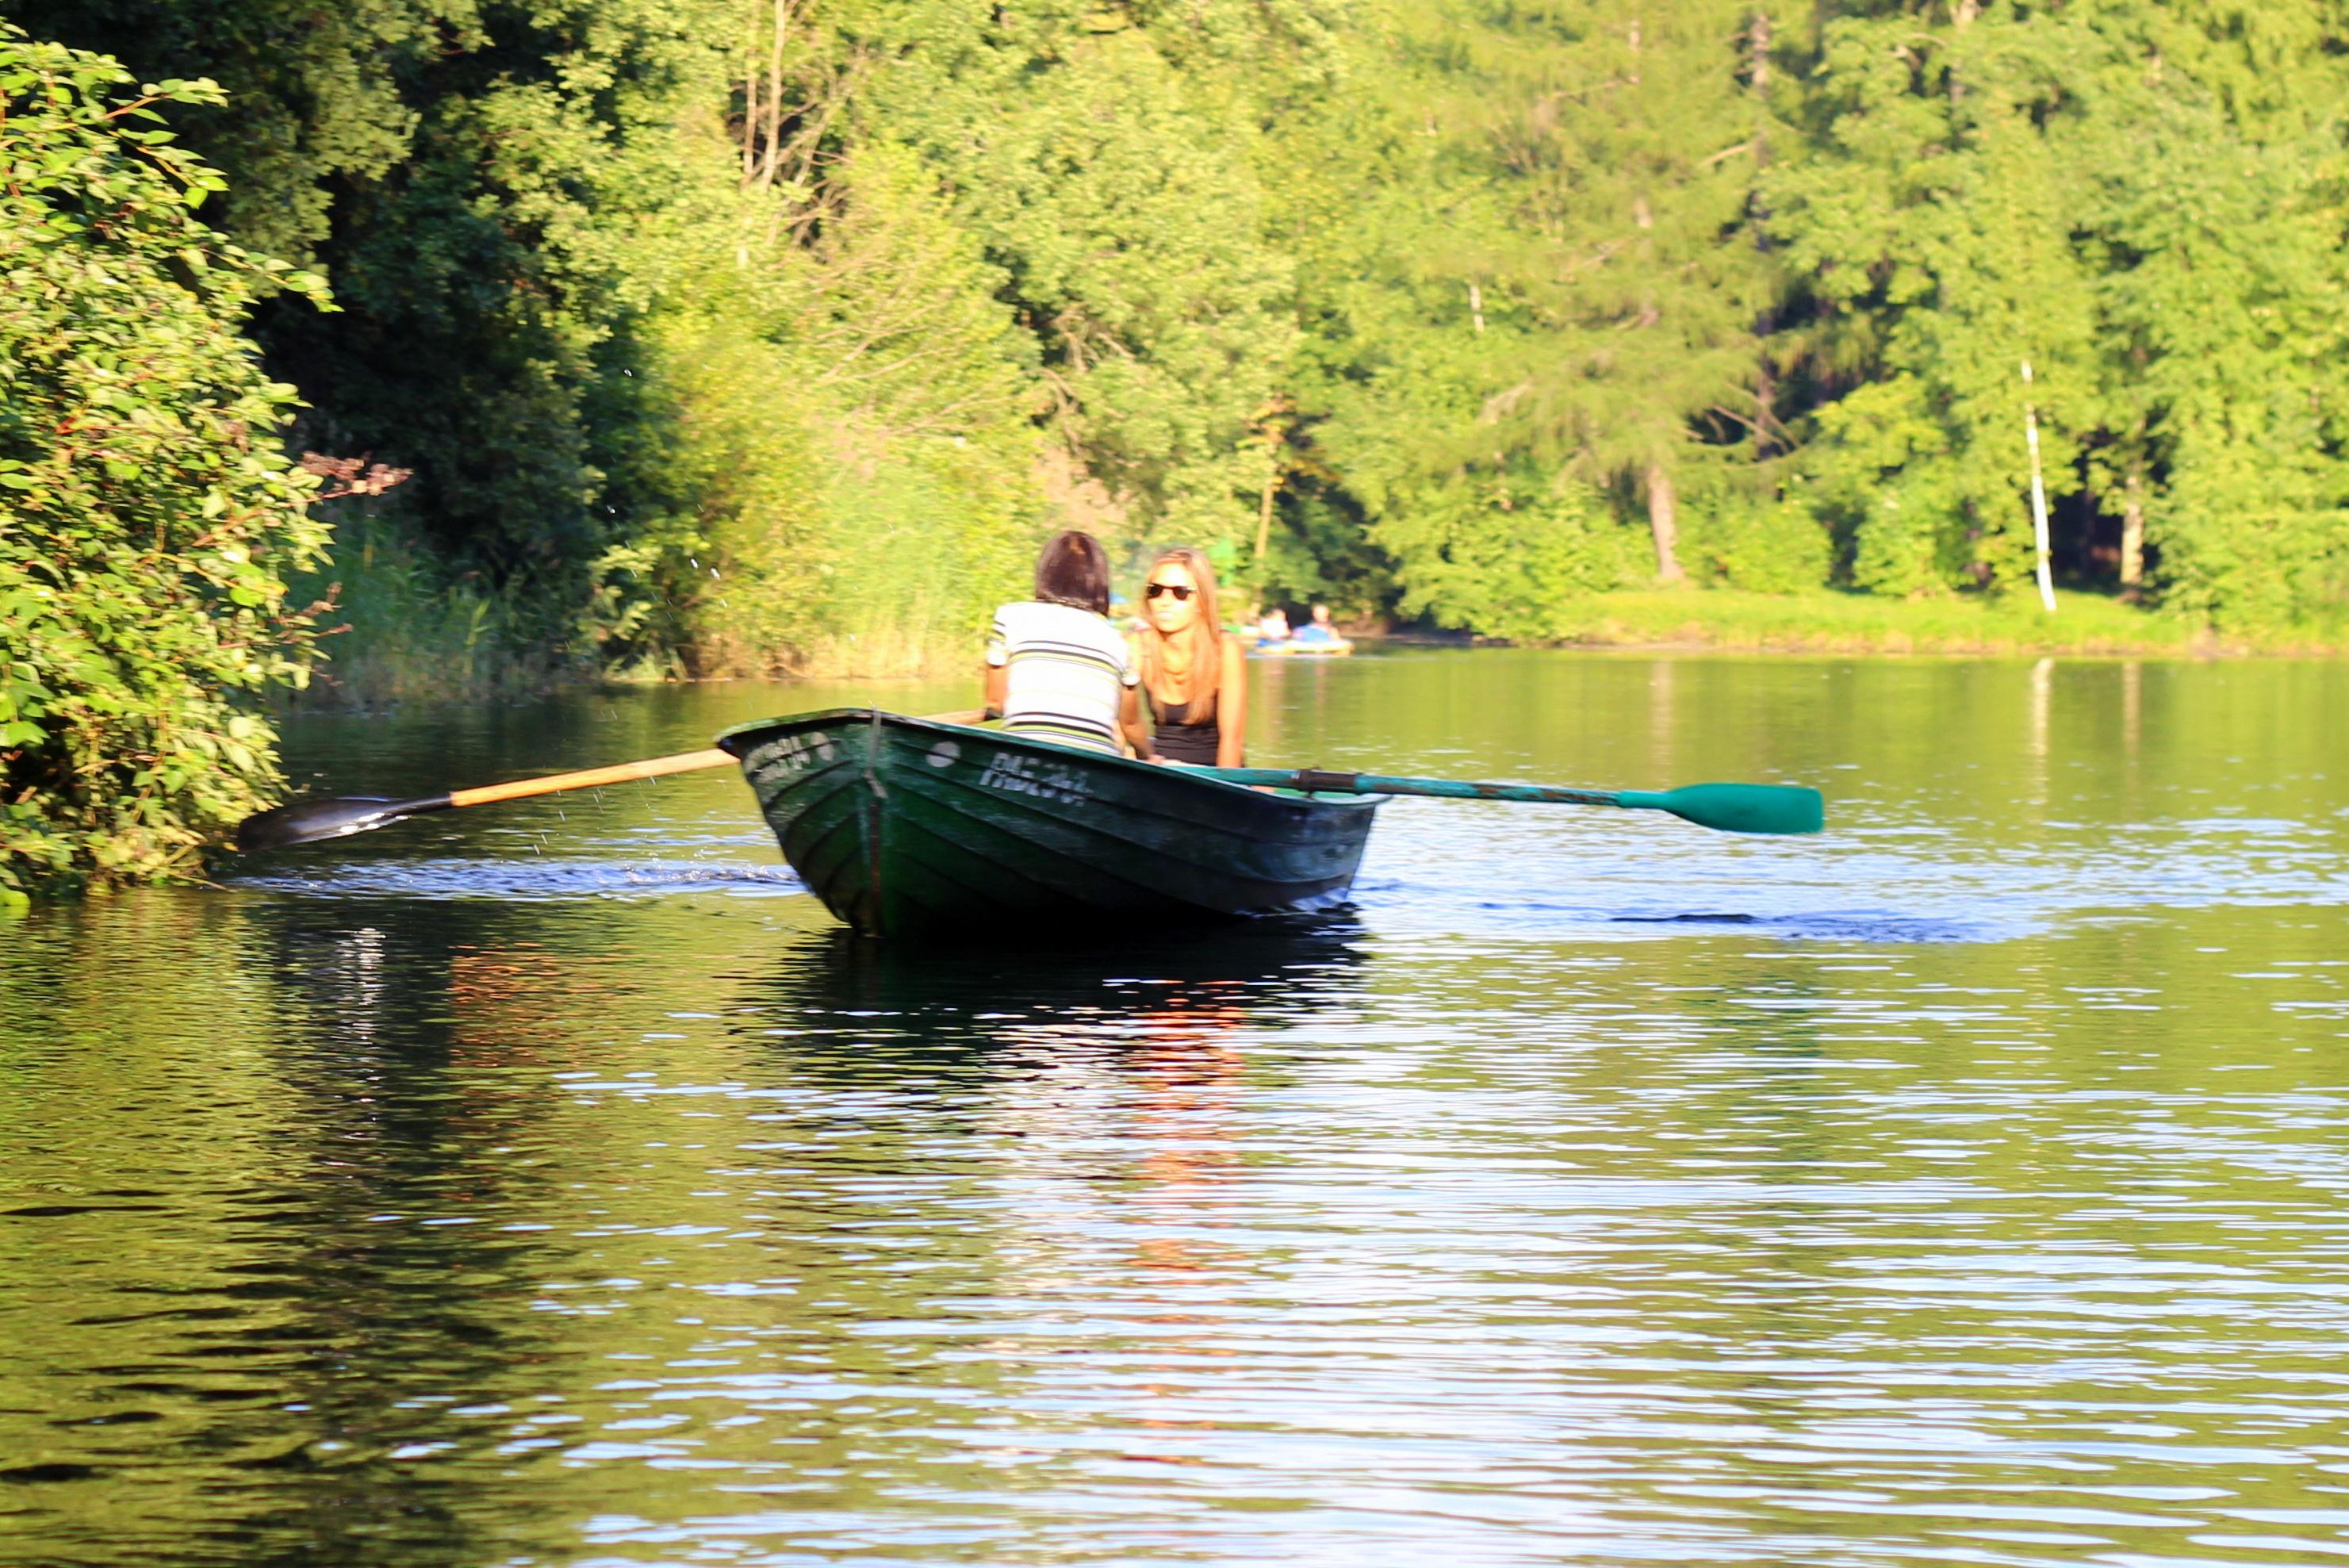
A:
x: 591, y: 778
x: 339, y: 816
x: 629, y: 772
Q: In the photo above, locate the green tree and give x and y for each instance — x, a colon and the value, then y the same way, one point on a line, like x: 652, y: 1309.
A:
x: 148, y: 513
x: 470, y: 178
x: 1555, y: 296
x: 2145, y: 201
x: 748, y: 335
x: 1627, y: 136
x: 608, y: 295
x: 1108, y: 159
x: 315, y: 96
x: 844, y: 443
x: 2219, y: 193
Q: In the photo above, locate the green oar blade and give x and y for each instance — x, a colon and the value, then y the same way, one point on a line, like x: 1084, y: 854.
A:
x: 1731, y: 807
x: 1737, y: 808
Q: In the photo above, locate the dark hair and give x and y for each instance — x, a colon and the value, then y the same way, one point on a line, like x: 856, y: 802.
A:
x: 1074, y: 570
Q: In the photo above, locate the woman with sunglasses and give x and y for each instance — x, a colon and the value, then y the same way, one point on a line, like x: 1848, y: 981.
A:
x: 1196, y: 677
x: 1056, y: 670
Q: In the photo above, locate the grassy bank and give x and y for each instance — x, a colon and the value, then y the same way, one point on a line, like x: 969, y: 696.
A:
x: 410, y: 640
x: 400, y: 628
x: 1827, y: 621
x: 453, y: 656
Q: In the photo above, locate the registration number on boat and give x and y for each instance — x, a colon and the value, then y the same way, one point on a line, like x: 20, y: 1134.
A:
x: 1025, y: 775
x: 793, y: 754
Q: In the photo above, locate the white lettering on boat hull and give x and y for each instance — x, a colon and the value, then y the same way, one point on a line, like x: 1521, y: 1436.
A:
x: 1010, y: 773
x: 790, y: 756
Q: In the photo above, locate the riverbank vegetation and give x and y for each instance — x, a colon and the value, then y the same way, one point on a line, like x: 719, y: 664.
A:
x: 768, y: 336
x: 1825, y: 620
x: 147, y: 506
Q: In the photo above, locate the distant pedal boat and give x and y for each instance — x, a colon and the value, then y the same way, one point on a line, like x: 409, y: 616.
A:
x: 1290, y: 648
x: 909, y: 830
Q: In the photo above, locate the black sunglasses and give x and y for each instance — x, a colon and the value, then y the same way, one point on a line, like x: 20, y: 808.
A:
x: 1182, y: 595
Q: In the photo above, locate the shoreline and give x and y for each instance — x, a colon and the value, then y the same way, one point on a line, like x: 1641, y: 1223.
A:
x: 1724, y: 620
x: 1630, y: 621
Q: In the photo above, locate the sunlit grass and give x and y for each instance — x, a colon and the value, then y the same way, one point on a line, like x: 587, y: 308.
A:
x: 415, y: 635
x: 399, y: 630
x: 1827, y: 621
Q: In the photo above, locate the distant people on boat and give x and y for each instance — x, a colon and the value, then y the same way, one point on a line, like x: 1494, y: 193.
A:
x: 1195, y: 672
x: 1317, y: 630
x: 1272, y: 625
x: 1056, y: 669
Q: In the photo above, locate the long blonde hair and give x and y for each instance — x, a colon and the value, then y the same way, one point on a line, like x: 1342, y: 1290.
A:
x: 1203, y: 636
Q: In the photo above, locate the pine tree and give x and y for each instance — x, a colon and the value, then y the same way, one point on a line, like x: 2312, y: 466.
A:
x: 1626, y: 135
x: 1549, y: 303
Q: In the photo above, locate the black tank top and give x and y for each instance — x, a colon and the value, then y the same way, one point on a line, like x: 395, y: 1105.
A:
x: 1175, y: 736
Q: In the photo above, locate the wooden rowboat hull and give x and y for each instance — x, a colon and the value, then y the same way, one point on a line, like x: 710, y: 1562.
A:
x: 909, y: 830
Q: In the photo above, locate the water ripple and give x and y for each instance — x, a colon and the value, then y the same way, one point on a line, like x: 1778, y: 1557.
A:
x: 526, y: 879
x: 1970, y: 1185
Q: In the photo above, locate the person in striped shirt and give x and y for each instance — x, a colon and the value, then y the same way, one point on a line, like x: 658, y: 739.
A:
x: 1056, y: 670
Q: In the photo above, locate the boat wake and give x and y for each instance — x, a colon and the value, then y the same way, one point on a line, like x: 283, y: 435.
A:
x: 1385, y: 901
x: 1854, y: 926
x: 531, y: 880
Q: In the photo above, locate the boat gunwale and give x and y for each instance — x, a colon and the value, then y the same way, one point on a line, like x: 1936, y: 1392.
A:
x: 1156, y: 771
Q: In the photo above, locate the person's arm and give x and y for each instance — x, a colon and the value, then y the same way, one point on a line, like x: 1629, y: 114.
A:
x: 1130, y: 720
x: 1231, y: 707
x: 999, y: 666
x: 1133, y: 719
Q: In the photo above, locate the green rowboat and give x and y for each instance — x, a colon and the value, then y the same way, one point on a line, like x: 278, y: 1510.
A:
x: 906, y: 828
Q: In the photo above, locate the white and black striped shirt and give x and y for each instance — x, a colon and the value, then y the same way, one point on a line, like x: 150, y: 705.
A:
x: 1065, y: 670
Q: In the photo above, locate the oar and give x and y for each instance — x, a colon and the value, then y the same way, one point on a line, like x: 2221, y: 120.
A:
x: 339, y: 816
x: 1732, y: 807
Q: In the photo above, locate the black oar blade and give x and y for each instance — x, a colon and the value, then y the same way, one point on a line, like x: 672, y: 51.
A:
x: 337, y: 817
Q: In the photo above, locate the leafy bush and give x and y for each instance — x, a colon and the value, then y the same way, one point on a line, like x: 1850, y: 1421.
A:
x: 833, y: 465
x: 2255, y: 537
x: 1884, y: 483
x: 1507, y: 565
x: 147, y: 510
x: 1764, y: 545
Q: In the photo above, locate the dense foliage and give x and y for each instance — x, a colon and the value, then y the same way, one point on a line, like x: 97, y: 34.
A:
x: 148, y: 508
x: 755, y: 335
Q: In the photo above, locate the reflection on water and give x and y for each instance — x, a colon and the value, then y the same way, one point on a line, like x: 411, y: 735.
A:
x: 1967, y: 1185
x: 529, y: 878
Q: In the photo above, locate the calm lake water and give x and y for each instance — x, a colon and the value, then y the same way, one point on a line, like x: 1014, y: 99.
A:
x: 555, y: 1185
